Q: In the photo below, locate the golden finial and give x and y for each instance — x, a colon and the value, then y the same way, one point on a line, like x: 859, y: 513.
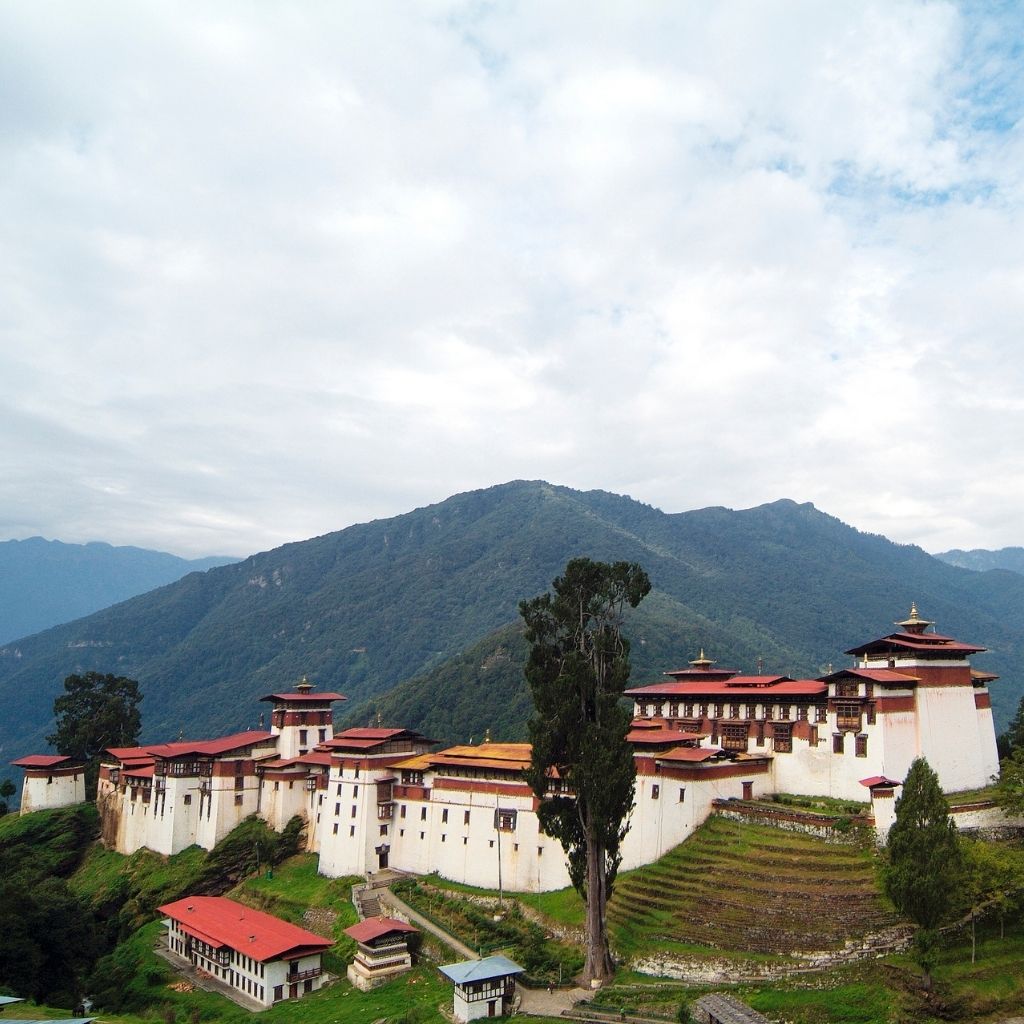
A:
x: 914, y: 623
x: 304, y: 685
x: 487, y: 735
x: 702, y: 661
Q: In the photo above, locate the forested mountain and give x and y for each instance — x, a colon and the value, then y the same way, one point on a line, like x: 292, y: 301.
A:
x: 46, y: 582
x: 371, y: 606
x: 981, y: 560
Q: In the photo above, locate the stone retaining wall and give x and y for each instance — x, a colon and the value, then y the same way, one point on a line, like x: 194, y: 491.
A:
x: 831, y: 827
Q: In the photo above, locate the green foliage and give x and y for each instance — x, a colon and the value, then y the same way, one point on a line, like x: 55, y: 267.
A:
x: 925, y: 870
x: 7, y: 790
x: 1013, y: 738
x: 577, y: 670
x: 95, y: 712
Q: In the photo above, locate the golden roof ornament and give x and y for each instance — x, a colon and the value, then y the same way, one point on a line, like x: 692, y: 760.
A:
x: 304, y: 685
x: 914, y: 623
x: 487, y: 735
x: 702, y: 661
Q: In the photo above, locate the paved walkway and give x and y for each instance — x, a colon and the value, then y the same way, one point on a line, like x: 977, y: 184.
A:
x: 208, y: 982
x: 402, y: 907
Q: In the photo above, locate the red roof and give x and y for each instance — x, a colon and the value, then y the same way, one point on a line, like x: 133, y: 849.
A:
x: 223, y: 922
x: 221, y: 745
x: 375, y: 927
x: 306, y: 698
x: 141, y: 772
x: 738, y: 686
x: 43, y: 761
x: 879, y: 780
x: 933, y: 643
x: 692, y: 754
x: 651, y: 736
x: 875, y: 675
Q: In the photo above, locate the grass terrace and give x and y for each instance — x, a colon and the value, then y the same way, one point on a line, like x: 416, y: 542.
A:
x: 751, y: 889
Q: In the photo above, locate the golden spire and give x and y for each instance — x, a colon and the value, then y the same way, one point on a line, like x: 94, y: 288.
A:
x: 487, y: 735
x: 702, y: 661
x: 914, y: 623
x: 304, y: 685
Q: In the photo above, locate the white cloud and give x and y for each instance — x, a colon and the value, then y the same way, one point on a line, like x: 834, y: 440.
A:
x: 268, y: 271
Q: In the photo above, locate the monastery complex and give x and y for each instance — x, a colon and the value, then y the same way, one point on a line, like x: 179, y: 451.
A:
x: 382, y: 797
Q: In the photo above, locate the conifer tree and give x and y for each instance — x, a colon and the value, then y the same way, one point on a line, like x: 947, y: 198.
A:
x: 577, y: 670
x: 925, y: 861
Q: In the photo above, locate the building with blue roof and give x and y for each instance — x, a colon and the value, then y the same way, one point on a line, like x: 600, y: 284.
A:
x: 483, y: 988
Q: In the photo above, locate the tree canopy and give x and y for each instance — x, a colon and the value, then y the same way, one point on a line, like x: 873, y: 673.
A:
x: 577, y: 669
x: 925, y: 860
x: 96, y: 711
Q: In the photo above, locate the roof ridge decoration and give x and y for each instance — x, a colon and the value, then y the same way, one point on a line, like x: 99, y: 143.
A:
x: 914, y: 623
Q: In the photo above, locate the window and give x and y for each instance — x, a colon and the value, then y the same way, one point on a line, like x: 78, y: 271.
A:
x: 354, y: 810
x: 682, y: 794
x: 238, y: 799
x: 351, y: 831
x: 277, y: 786
x: 337, y: 810
x: 355, y: 792
x: 339, y: 789
x: 734, y: 736
x: 302, y: 737
x: 444, y: 816
x: 401, y: 831
x: 423, y: 813
x: 278, y: 993
x: 871, y: 714
x: 782, y: 739
x: 465, y: 839
x: 734, y: 711
x: 822, y: 714
x: 401, y: 811
x: 383, y: 830
x: 421, y: 835
x: 188, y: 799
x: 760, y: 733
x: 861, y: 746
x: 812, y: 739
x: 444, y: 837
x: 837, y: 742
x: 465, y: 817
x: 801, y: 713
x: 655, y: 791
x: 335, y: 828
x: 505, y: 819
x: 323, y: 735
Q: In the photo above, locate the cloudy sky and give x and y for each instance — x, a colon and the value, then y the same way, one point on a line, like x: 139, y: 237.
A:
x: 269, y: 269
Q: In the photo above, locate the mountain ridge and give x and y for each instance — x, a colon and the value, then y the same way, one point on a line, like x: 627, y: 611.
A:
x: 375, y: 605
x: 45, y: 583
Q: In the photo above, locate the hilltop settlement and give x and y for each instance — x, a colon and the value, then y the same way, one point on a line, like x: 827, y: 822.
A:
x: 381, y: 797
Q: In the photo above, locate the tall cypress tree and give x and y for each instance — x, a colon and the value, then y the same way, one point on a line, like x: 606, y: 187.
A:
x: 577, y: 669
x: 925, y: 860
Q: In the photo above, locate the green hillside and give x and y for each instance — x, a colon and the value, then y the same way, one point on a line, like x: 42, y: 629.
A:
x: 374, y: 605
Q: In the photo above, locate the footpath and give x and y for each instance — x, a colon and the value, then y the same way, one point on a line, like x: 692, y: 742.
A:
x: 537, y: 1002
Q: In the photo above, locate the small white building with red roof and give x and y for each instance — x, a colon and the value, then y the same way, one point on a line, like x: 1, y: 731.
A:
x: 51, y: 780
x: 383, y: 951
x: 260, y: 956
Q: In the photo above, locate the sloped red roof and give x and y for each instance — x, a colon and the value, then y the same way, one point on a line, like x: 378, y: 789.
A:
x: 655, y: 736
x: 879, y: 780
x: 375, y: 927
x: 144, y: 771
x: 223, y: 922
x: 875, y: 675
x: 738, y: 686
x: 221, y: 745
x: 690, y: 754
x: 44, y: 761
x: 305, y: 698
x: 932, y: 643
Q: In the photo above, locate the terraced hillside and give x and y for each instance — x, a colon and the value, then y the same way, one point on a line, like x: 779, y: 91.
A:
x: 754, y: 889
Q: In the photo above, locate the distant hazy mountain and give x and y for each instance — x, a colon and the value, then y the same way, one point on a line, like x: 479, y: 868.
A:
x: 981, y: 560
x: 417, y: 600
x: 46, y: 582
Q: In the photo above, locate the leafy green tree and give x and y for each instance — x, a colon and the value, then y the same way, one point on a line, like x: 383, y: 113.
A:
x: 1010, y: 787
x: 994, y: 883
x: 577, y: 669
x: 7, y: 790
x: 925, y: 869
x: 1013, y: 738
x: 96, y: 711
